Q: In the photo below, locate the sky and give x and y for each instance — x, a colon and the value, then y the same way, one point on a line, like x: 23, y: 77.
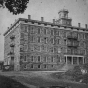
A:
x: 78, y: 11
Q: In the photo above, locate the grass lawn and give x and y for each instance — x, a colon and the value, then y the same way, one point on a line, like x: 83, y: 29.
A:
x: 6, y: 82
x: 39, y: 78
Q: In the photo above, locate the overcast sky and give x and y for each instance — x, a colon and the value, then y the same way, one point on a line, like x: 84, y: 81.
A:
x: 78, y: 11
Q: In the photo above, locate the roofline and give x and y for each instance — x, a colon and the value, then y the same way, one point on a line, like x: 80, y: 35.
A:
x: 42, y: 22
x: 63, y: 10
x: 11, y: 27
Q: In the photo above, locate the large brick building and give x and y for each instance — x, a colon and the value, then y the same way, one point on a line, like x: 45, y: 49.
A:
x: 39, y: 45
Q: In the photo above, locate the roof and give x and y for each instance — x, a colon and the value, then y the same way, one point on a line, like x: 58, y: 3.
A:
x: 45, y: 23
x: 63, y: 10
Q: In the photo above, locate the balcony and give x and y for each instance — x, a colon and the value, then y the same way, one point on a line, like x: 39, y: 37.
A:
x: 11, y: 53
x: 74, y: 45
x: 72, y: 37
x: 72, y: 52
x: 12, y: 45
x: 12, y: 37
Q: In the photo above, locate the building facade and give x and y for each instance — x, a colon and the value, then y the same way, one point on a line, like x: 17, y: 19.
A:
x: 39, y: 45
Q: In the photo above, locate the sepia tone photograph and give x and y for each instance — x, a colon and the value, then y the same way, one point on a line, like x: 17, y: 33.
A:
x: 43, y: 43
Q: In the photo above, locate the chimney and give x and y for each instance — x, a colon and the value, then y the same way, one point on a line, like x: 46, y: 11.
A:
x: 29, y: 17
x: 11, y: 24
x: 79, y: 25
x: 42, y: 19
x: 8, y: 27
x: 54, y: 21
x: 86, y: 26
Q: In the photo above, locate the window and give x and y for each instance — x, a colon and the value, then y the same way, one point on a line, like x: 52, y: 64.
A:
x: 52, y: 32
x: 25, y: 58
x: 74, y: 51
x: 65, y: 42
x: 64, y: 34
x: 25, y: 66
x: 68, y: 34
x: 45, y: 59
x: 58, y: 41
x: 84, y: 52
x: 52, y: 49
x: 58, y: 58
x: 26, y: 29
x: 39, y: 59
x: 74, y: 34
x: 12, y: 58
x: 12, y: 37
x: 39, y: 66
x: 32, y: 48
x: 52, y: 66
x: 83, y: 36
x: 45, y: 31
x: 21, y: 49
x: 32, y: 39
x: 52, y: 59
x: 45, y: 40
x: 59, y: 50
x: 26, y: 37
x: 25, y: 47
x: 32, y: 30
x: 31, y: 66
x: 68, y: 50
x: 52, y: 40
x: 39, y: 30
x: 75, y: 43
x: 22, y: 35
x: 37, y: 48
x: 58, y: 33
x: 84, y: 44
x: 46, y: 49
x: 21, y: 57
x: 39, y: 39
x: 42, y: 47
x: 45, y: 66
x: 32, y: 58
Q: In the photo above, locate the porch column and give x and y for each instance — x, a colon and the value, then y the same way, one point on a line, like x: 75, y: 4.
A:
x: 83, y: 60
x: 72, y: 60
x: 66, y: 59
x: 78, y: 60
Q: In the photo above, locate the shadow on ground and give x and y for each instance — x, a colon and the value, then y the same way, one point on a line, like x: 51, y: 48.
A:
x: 36, y: 80
x: 6, y: 82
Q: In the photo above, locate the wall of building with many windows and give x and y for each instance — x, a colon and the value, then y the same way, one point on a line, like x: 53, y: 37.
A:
x: 43, y: 46
x: 46, y: 47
